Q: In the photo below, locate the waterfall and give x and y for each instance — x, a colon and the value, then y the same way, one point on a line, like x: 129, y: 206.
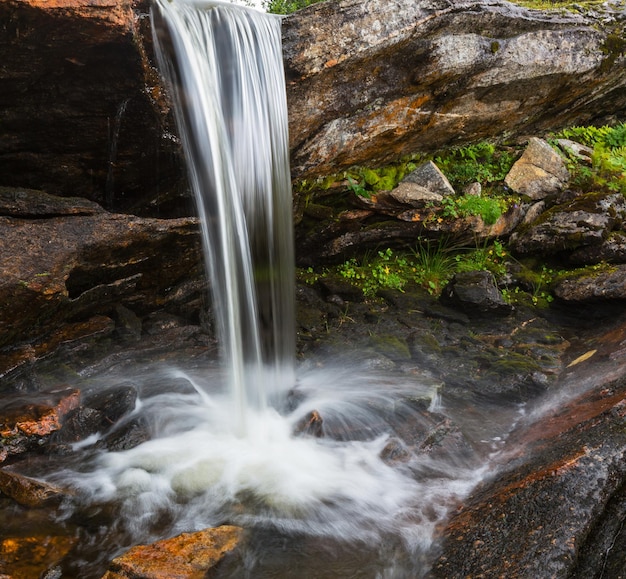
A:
x: 224, y: 68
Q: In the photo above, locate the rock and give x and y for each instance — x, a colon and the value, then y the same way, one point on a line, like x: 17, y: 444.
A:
x: 534, y: 211
x: 473, y: 189
x: 82, y: 107
x: 553, y: 499
x: 586, y: 221
x: 27, y: 422
x: 539, y: 172
x: 430, y: 177
x: 605, y: 284
x: 129, y: 435
x: 32, y: 555
x: 367, y: 84
x: 576, y: 150
x: 476, y: 293
x: 113, y: 403
x: 186, y: 556
x: 611, y: 250
x: 75, y: 266
x: 27, y: 491
x: 310, y: 425
x: 415, y: 195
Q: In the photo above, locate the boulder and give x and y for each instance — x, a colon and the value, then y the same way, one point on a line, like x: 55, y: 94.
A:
x: 555, y: 507
x: 368, y: 82
x: 604, y: 284
x: 476, y: 293
x: 586, y: 221
x: 186, y: 556
x: 539, y: 172
x: 430, y: 177
x: 28, y: 421
x: 82, y: 266
x: 29, y: 492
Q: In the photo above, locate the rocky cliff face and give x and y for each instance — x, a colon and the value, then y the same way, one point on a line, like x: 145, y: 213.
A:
x: 371, y: 81
x: 84, y: 112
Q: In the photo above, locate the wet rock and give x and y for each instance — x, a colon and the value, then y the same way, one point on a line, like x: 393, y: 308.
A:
x: 312, y: 425
x: 33, y: 555
x: 476, y: 293
x: 112, y: 403
x: 186, y: 556
x: 29, y: 203
x: 539, y: 172
x: 604, y: 284
x: 27, y: 491
x: 586, y: 221
x: 103, y: 130
x: 129, y: 435
x: 27, y: 422
x: 78, y: 425
x: 537, y: 516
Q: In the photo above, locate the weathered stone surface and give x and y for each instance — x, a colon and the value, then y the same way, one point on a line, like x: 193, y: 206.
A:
x: 586, y: 221
x: 80, y: 105
x: 187, y: 556
x: 429, y: 176
x: 366, y: 83
x: 576, y: 150
x: 557, y: 496
x: 539, y: 172
x: 27, y: 491
x: 32, y: 556
x: 29, y: 420
x: 369, y: 82
x: 611, y: 250
x: 476, y: 293
x: 606, y: 284
x: 414, y: 195
x: 81, y: 266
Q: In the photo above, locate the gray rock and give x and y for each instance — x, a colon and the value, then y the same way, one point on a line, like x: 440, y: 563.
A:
x: 607, y: 284
x: 414, y: 195
x: 586, y: 221
x: 539, y: 172
x: 475, y: 292
x: 430, y: 177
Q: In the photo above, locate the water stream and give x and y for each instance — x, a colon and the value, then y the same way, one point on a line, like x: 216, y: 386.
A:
x: 230, y: 444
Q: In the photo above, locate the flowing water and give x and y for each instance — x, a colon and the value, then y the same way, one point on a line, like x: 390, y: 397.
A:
x: 231, y: 444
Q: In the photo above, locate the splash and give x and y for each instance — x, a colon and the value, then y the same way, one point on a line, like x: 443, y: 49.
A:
x: 224, y: 68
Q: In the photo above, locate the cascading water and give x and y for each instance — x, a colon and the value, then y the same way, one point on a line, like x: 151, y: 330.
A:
x: 224, y: 67
x: 226, y: 444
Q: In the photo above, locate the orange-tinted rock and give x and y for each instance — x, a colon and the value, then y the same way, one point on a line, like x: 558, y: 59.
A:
x: 29, y: 557
x: 27, y: 491
x: 25, y: 421
x: 186, y: 556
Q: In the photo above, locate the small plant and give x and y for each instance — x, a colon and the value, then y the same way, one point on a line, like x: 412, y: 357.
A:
x: 488, y: 208
x: 286, y: 6
x: 386, y: 270
x: 480, y: 162
x: 433, y: 265
x: 492, y: 258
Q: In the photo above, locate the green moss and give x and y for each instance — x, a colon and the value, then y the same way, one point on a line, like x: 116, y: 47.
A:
x: 495, y: 46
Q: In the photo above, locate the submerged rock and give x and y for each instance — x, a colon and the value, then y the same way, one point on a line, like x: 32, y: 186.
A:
x: 186, y: 556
